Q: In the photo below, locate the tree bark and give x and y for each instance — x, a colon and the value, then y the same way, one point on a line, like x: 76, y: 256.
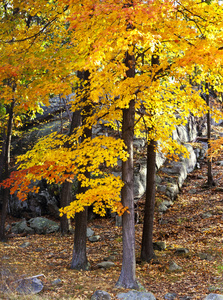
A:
x: 66, y: 192
x: 147, y: 252
x: 210, y: 181
x: 5, y: 171
x: 79, y: 258
x: 127, y: 277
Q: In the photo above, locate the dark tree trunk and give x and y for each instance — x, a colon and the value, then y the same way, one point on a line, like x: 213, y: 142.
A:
x: 79, y: 259
x: 127, y: 277
x: 65, y: 200
x: 210, y: 181
x: 66, y: 192
x: 5, y: 172
x: 147, y: 252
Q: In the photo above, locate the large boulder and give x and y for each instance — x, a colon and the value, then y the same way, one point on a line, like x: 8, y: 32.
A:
x: 21, y: 227
x: 100, y: 295
x: 214, y: 297
x: 43, y: 226
x: 135, y: 295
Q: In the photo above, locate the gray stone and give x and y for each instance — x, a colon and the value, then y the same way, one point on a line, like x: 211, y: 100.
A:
x: 204, y: 256
x: 21, y: 227
x: 162, y: 207
x: 159, y: 246
x: 168, y: 203
x: 43, y: 225
x: 192, y: 191
x: 94, y: 238
x: 190, y: 163
x: 181, y: 251
x: 140, y: 179
x: 206, y: 215
x: 110, y: 257
x: 173, y: 266
x: 90, y: 232
x: 106, y: 264
x: 29, y: 286
x: 214, y: 297
x: 25, y: 244
x: 56, y: 281
x: 170, y: 296
x: 161, y: 188
x: 220, y: 163
x: 139, y: 143
x: 135, y: 295
x: 100, y: 295
x: 172, y: 191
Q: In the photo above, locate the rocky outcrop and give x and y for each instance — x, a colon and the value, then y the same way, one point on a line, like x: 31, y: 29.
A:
x: 37, y: 225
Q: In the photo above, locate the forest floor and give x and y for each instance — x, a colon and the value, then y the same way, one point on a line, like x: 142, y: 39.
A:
x: 195, y: 222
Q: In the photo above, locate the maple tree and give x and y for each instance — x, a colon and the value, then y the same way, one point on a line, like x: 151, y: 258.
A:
x: 115, y: 41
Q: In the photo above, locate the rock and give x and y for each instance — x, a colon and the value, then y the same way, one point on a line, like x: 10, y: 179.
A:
x: 173, y: 266
x: 90, y: 232
x: 190, y: 163
x: 162, y: 207
x: 110, y: 257
x: 100, y: 295
x: 21, y: 227
x: 206, y: 215
x: 106, y: 264
x: 170, y: 296
x: 161, y: 188
x: 94, y: 238
x: 205, y: 256
x: 219, y: 163
x: 56, y: 281
x: 29, y: 286
x: 181, y: 251
x: 172, y: 191
x: 168, y: 203
x: 25, y: 244
x: 140, y: 179
x: 214, y: 297
x: 159, y: 246
x: 43, y: 225
x: 135, y: 295
x: 192, y: 191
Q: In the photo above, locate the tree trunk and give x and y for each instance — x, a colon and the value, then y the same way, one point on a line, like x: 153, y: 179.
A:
x: 147, y: 252
x: 5, y: 172
x: 65, y: 200
x: 66, y: 193
x: 210, y: 177
x: 127, y: 277
x: 79, y: 259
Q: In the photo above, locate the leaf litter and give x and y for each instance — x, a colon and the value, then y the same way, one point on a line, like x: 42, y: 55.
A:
x: 195, y: 222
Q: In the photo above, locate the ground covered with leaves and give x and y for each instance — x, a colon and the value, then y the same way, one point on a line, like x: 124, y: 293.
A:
x: 195, y: 222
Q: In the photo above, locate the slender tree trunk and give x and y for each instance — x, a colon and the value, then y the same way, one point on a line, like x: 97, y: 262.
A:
x: 65, y: 200
x: 66, y: 192
x: 127, y: 277
x: 147, y: 252
x: 5, y: 172
x: 210, y: 181
x: 79, y: 259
